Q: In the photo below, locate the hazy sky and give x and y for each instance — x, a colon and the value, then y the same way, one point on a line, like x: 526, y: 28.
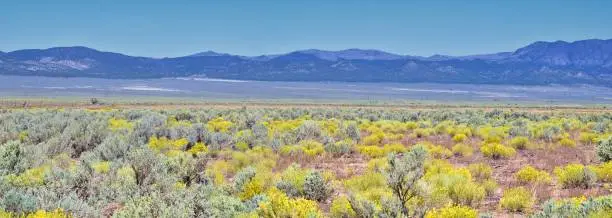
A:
x: 252, y: 27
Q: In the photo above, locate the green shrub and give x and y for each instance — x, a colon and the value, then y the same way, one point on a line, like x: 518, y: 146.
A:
x: 10, y: 155
x: 598, y: 207
x: 480, y: 171
x: 315, y: 187
x: 604, y: 149
x: 517, y: 200
x: 467, y: 193
x: 497, y: 151
x: 575, y: 175
x: 403, y: 174
x: 519, y: 142
x: 341, y: 208
x: 489, y: 185
x: 339, y: 148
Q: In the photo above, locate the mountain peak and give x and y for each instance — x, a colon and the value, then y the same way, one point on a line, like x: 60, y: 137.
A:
x: 590, y: 52
x: 208, y: 54
x: 353, y: 54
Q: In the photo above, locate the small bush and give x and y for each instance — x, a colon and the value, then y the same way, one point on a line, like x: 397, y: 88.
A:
x: 462, y: 150
x: 371, y: 186
x: 459, y: 137
x: 420, y: 133
x: 374, y: 139
x: 101, y: 167
x: 466, y: 193
x: 575, y: 175
x: 603, y: 171
x: 497, y: 151
x: 315, y: 187
x: 279, y: 205
x: 480, y: 171
x: 517, y: 200
x: 598, y: 207
x: 394, y: 148
x: 489, y: 185
x: 371, y: 151
x: 452, y: 212
x: 528, y: 174
x: 378, y: 164
x: 519, y: 142
x: 341, y: 208
x: 339, y: 148
x: 588, y: 137
x: 566, y: 142
x: 312, y: 148
x: 604, y: 149
x: 438, y: 151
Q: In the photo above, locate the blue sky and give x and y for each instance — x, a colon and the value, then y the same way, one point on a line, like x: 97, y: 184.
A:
x: 252, y: 27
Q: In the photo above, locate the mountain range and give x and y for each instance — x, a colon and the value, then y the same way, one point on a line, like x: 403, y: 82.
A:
x: 559, y: 62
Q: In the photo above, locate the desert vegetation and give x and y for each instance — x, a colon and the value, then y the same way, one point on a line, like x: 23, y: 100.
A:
x: 314, y: 162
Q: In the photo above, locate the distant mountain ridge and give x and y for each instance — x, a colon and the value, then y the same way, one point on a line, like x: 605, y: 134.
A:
x: 559, y: 62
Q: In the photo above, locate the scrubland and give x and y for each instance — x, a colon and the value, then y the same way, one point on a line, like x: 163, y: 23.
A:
x: 304, y: 162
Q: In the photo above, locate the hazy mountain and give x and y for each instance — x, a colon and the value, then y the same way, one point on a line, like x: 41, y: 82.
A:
x: 208, y: 53
x: 353, y: 54
x: 580, y: 62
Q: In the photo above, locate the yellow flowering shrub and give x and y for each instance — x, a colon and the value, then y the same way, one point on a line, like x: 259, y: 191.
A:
x: 219, y: 125
x: 296, y: 176
x: 101, y: 167
x: 341, y: 208
x: 374, y: 138
x: 31, y: 177
x: 489, y: 185
x: 452, y: 212
x: 420, y: 132
x: 460, y: 137
x: 462, y: 150
x: 517, y: 200
x: 118, y: 124
x: 567, y: 142
x: 480, y: 171
x: 57, y: 213
x: 198, y: 148
x: 497, y: 151
x: 438, y: 151
x: 371, y: 151
x: 378, y: 164
x: 528, y: 174
x: 603, y: 171
x: 279, y: 205
x: 588, y: 137
x: 519, y: 142
x: 454, y: 183
x: 394, y: 148
x: 312, y: 148
x: 218, y: 171
x: 371, y: 186
x: 167, y: 146
x: 574, y: 175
